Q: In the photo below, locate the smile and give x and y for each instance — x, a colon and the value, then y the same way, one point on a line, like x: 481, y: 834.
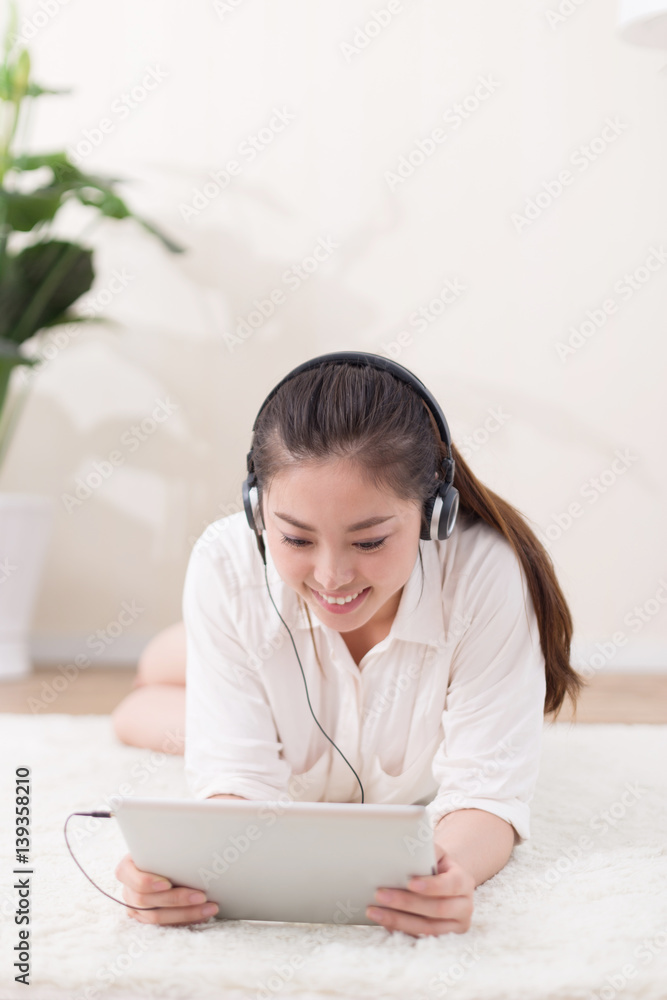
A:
x: 341, y: 604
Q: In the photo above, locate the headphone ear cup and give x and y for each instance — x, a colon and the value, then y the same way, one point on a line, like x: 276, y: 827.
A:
x: 440, y: 511
x: 449, y: 512
x: 251, y: 505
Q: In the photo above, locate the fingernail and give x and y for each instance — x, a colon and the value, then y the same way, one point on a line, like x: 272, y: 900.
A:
x: 210, y: 909
x: 162, y: 883
x: 417, y: 884
x: 197, y: 897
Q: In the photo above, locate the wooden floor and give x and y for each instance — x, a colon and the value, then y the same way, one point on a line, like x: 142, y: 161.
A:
x: 638, y: 698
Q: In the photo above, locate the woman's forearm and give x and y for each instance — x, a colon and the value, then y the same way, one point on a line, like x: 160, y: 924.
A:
x: 479, y: 841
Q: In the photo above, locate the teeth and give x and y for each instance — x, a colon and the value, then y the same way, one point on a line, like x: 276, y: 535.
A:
x: 339, y: 600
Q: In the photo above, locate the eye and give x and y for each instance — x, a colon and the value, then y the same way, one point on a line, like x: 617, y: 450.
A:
x: 296, y: 542
x: 299, y: 543
x: 371, y: 546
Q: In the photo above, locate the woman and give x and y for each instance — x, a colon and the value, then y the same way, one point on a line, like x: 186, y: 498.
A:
x: 433, y: 665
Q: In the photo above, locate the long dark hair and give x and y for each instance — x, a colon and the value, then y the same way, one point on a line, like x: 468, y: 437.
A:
x: 358, y: 412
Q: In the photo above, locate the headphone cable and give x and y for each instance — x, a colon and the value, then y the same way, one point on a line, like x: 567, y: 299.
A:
x: 102, y: 815
x: 303, y: 675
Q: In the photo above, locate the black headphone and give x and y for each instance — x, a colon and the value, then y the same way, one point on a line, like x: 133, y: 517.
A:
x: 440, y: 508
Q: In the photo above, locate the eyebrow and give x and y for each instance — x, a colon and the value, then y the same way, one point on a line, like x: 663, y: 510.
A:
x: 368, y: 523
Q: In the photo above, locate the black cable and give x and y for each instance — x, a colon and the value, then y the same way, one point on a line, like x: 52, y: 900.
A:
x: 304, y: 681
x: 103, y: 815
x: 108, y: 815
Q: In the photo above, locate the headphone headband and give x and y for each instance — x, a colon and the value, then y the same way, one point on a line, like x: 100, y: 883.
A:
x: 376, y: 361
x: 440, y: 509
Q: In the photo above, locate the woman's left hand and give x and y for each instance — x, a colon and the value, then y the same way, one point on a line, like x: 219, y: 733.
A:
x: 443, y: 906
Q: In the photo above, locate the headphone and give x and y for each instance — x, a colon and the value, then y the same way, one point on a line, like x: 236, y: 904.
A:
x: 440, y: 508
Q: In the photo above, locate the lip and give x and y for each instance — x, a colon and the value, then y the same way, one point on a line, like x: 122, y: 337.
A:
x: 341, y: 609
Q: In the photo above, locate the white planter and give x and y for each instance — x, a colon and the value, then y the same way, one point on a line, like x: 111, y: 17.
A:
x: 26, y: 521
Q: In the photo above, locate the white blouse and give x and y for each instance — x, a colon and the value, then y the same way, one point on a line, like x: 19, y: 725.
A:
x: 446, y: 711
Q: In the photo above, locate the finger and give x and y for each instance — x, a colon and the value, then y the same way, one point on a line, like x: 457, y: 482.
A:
x: 433, y: 907
x: 416, y: 926
x: 180, y: 896
x: 141, y: 881
x: 175, y: 914
x: 453, y: 882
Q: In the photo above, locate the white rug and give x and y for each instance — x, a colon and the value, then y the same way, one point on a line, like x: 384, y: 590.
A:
x: 579, y: 912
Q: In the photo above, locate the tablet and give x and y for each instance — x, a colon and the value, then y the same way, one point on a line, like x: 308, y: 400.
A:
x: 304, y: 862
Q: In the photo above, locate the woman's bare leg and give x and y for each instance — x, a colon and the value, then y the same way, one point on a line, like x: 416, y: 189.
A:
x: 152, y: 715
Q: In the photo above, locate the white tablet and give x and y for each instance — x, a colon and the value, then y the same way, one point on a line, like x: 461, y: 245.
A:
x: 312, y: 862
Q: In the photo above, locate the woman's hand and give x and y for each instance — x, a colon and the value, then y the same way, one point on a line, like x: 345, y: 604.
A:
x: 178, y: 904
x: 443, y: 906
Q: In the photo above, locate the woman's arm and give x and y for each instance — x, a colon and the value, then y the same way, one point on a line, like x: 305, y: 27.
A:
x: 479, y: 841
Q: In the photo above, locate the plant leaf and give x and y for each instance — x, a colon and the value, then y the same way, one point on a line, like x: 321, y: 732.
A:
x: 24, y: 211
x: 34, y: 90
x: 39, y: 284
x: 111, y: 205
x: 68, y: 317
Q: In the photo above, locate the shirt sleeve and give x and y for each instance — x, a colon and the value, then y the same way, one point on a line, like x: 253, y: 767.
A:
x: 231, y: 743
x: 494, y: 709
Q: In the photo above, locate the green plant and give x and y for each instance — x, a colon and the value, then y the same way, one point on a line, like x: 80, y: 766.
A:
x: 41, y: 281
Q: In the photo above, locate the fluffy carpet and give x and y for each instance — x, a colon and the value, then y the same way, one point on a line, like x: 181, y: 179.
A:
x: 579, y: 912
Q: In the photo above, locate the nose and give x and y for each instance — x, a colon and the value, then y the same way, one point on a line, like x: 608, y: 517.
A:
x: 332, y: 572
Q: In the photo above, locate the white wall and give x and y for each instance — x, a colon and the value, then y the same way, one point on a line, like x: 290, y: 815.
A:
x: 551, y: 89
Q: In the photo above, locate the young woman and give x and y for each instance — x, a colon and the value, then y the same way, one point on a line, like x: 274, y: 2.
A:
x: 429, y: 663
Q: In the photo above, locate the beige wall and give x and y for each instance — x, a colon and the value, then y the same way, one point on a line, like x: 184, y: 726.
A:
x: 217, y: 73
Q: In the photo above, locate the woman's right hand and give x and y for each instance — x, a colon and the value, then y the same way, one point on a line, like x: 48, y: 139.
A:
x: 175, y: 902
